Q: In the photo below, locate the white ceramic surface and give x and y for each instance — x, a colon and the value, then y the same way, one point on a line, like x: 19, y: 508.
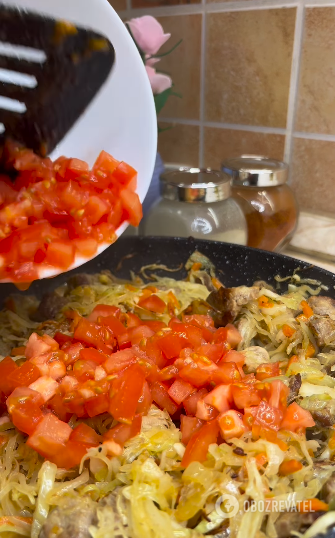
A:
x: 122, y: 118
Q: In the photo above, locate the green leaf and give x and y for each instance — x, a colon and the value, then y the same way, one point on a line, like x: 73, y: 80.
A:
x: 168, y: 52
x: 161, y: 98
x: 161, y: 129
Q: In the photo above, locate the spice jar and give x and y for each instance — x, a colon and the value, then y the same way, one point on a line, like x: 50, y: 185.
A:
x: 196, y: 202
x: 269, y: 205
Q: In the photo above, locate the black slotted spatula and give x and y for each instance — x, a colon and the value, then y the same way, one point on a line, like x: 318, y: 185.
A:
x: 50, y: 70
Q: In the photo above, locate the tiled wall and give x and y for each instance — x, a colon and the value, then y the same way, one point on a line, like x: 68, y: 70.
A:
x: 256, y: 76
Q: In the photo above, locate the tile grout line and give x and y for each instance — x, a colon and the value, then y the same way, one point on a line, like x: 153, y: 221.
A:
x: 294, y: 81
x: 202, y: 86
x: 221, y: 125
x: 128, y: 9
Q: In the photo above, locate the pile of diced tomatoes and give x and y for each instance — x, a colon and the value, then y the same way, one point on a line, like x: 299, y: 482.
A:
x: 119, y: 364
x: 54, y: 211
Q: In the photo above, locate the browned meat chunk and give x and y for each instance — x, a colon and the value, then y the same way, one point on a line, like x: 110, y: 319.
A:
x: 228, y: 302
x: 322, y: 306
x: 70, y: 520
x: 294, y: 521
x: 295, y: 384
x: 323, y: 328
x: 50, y: 305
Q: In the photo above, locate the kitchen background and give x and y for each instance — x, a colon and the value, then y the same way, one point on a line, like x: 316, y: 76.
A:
x: 256, y: 76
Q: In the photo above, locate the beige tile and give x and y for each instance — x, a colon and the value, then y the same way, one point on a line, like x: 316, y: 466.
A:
x: 248, y: 66
x: 220, y: 144
x: 156, y: 3
x: 312, y: 169
x: 210, y: 1
x: 183, y: 65
x: 180, y: 144
x: 316, y: 103
x: 118, y: 5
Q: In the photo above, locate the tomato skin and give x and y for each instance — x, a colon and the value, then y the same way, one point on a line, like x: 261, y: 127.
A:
x: 50, y: 436
x: 126, y: 175
x: 7, y: 367
x: 161, y: 397
x: 121, y: 433
x: 26, y: 416
x: 103, y: 311
x: 153, y: 303
x: 85, y: 434
x: 97, y: 405
x: 21, y: 395
x: 295, y: 417
x: 61, y: 338
x: 70, y: 456
x: 56, y: 404
x: 90, y: 333
x: 190, y: 404
x: 197, y: 447
x: 125, y: 393
x: 180, y: 390
x: 226, y: 373
x: 155, y: 325
x: 171, y: 345
x: 90, y: 354
x: 213, y: 352
x: 189, y: 426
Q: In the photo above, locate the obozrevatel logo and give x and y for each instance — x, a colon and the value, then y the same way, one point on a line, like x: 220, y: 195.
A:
x: 227, y: 506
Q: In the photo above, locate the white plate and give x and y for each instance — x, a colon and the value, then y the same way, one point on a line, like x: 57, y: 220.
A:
x: 122, y: 118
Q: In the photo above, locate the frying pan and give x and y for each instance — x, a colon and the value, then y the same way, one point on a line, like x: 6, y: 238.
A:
x: 236, y: 265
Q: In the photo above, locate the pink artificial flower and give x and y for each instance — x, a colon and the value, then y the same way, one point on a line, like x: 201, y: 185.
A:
x: 159, y: 82
x: 148, y: 34
x: 151, y: 61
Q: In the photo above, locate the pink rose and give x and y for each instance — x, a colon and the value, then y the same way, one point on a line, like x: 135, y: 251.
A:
x: 159, y: 82
x: 148, y: 34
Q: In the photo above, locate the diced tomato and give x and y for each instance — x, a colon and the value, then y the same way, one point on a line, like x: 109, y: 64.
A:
x: 93, y: 334
x: 72, y: 351
x: 60, y: 254
x: 180, y: 390
x: 268, y: 416
x: 205, y: 411
x: 278, y: 394
x: 84, y: 370
x: 171, y: 345
x: 154, y: 353
x: 198, y: 377
x: 220, y: 398
x: 7, y: 367
x: 105, y: 163
x: 96, y: 208
x: 197, y: 447
x: 24, y: 375
x: 74, y: 403
x: 56, y: 404
x: 126, y: 175
x: 137, y: 334
x: 57, y: 369
x: 226, y: 373
x: 189, y: 426
x: 153, y: 303
x: 264, y: 371
x: 85, y: 434
x: 119, y: 360
x: 295, y: 417
x: 50, y: 436
x: 62, y: 338
x: 145, y: 400
x: 37, y: 345
x: 97, y: 405
x: 132, y: 206
x: 21, y: 395
x: 245, y: 395
x: 123, y: 432
x: 26, y: 416
x: 231, y: 424
x: 194, y: 335
x: 70, y: 456
x: 125, y: 394
x: 190, y: 404
x: 103, y: 311
x: 233, y: 336
x: 46, y: 386
x: 93, y: 355
x: 233, y: 356
x: 155, y: 325
x: 161, y: 397
x: 213, y: 352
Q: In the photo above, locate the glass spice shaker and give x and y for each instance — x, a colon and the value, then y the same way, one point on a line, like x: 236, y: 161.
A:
x: 196, y: 202
x: 269, y: 205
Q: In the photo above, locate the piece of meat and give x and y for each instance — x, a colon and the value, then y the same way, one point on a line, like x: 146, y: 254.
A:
x: 80, y: 279
x: 72, y: 519
x: 322, y: 306
x: 228, y: 302
x: 294, y: 385
x: 288, y: 522
x: 50, y: 305
x: 323, y: 329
